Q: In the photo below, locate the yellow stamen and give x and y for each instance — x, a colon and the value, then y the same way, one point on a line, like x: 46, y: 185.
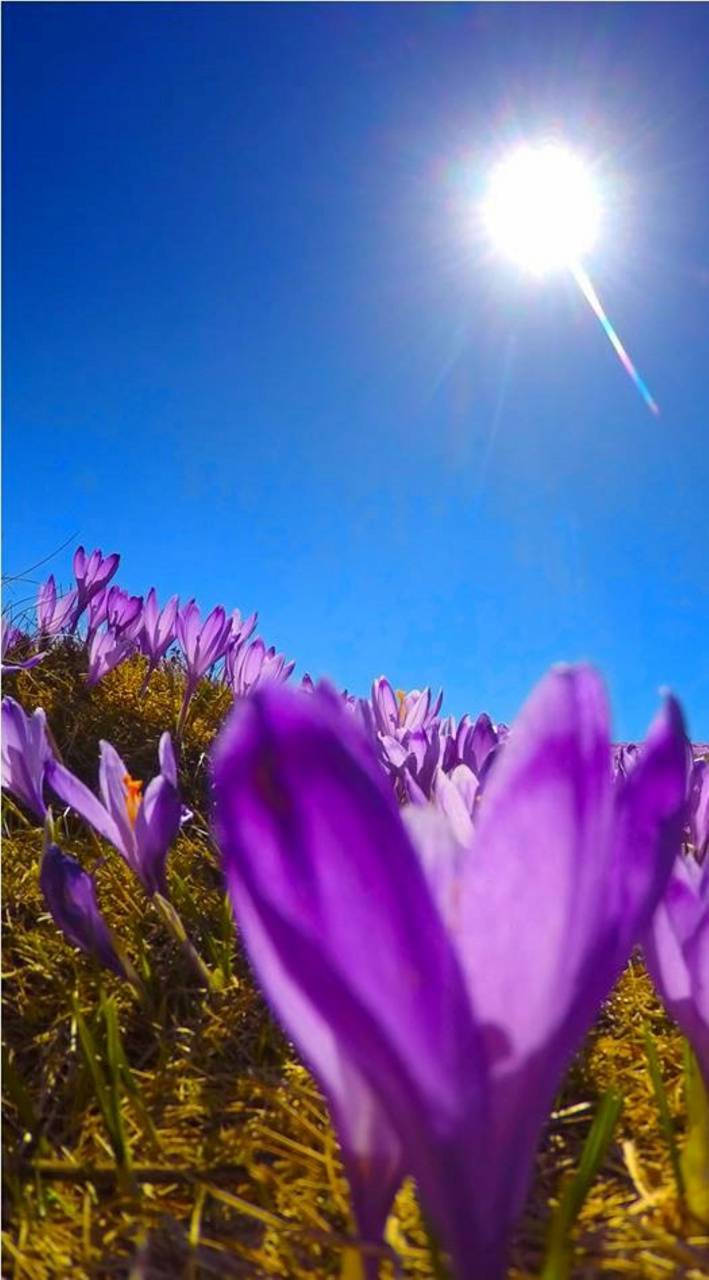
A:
x: 134, y: 799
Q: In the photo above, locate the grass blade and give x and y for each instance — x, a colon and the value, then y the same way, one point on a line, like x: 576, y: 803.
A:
x: 557, y: 1264
x: 695, y: 1157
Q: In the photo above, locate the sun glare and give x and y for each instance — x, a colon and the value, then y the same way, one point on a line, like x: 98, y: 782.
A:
x: 541, y: 208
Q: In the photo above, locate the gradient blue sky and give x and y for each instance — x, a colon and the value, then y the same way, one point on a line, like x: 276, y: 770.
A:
x: 253, y: 339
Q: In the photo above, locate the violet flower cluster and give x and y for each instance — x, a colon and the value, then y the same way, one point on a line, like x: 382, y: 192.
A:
x: 140, y: 827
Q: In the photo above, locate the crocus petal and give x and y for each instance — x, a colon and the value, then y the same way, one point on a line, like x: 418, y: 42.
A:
x: 448, y: 799
x: 385, y: 706
x: 79, y: 563
x: 481, y: 741
x: 371, y: 1152
x: 70, y: 895
x: 649, y: 821
x: 468, y: 785
x: 156, y: 826
x: 309, y: 829
x: 166, y: 756
x: 677, y: 952
x: 75, y: 794
x: 112, y: 775
x: 9, y: 668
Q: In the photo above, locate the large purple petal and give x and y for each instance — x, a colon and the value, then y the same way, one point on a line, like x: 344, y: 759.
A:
x: 308, y: 826
x: 75, y: 794
x: 371, y: 1151
x: 534, y: 887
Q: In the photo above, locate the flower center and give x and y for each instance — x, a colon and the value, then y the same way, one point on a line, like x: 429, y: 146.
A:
x: 133, y: 788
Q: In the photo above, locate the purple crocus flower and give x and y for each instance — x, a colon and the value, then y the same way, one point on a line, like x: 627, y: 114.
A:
x: 70, y: 894
x: 25, y: 754
x: 158, y: 629
x: 140, y: 827
x: 203, y: 643
x: 55, y: 613
x: 124, y: 612
x: 456, y: 981
x: 10, y: 637
x: 106, y: 650
x: 677, y: 953
x: 247, y: 667
x: 92, y: 573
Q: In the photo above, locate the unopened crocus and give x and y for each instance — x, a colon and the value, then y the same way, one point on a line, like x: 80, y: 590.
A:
x: 11, y: 636
x: 70, y: 894
x: 677, y: 953
x: 25, y: 753
x: 474, y: 742
x: 55, y: 613
x: 106, y: 650
x: 457, y: 981
x: 92, y: 573
x: 141, y: 827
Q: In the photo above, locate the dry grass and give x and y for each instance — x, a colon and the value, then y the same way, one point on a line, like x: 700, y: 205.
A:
x: 234, y: 1170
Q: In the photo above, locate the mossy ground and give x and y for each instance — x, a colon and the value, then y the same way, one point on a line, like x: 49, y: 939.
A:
x: 234, y: 1170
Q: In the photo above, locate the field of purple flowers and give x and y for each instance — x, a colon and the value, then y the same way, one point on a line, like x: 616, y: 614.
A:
x: 303, y: 983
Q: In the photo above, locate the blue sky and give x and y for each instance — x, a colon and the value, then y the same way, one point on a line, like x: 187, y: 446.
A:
x: 253, y: 339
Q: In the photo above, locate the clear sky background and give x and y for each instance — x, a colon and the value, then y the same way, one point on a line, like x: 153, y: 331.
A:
x: 253, y: 339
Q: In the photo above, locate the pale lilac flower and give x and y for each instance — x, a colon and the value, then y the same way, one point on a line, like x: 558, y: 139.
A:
x: 92, y: 573
x: 25, y: 753
x: 124, y: 613
x: 455, y: 981
x: 70, y: 894
x: 56, y: 613
x: 141, y: 827
x: 106, y: 650
x: 248, y: 667
x: 677, y: 953
x: 158, y: 628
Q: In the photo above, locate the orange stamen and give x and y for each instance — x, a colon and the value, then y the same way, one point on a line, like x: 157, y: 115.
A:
x: 133, y: 797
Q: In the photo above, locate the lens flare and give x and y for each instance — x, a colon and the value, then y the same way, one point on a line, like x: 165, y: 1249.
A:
x: 542, y: 211
x: 594, y: 302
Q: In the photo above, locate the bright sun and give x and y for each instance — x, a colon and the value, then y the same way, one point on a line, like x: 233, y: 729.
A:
x: 541, y: 208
